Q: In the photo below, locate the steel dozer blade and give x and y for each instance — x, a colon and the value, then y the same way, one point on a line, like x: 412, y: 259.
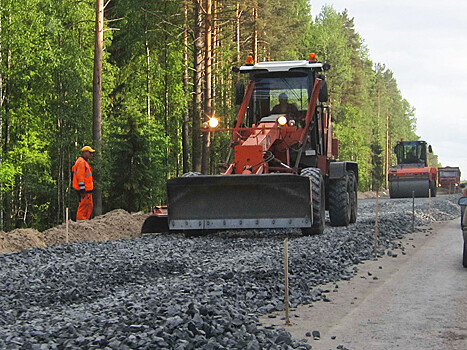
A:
x: 220, y: 202
x: 405, y: 188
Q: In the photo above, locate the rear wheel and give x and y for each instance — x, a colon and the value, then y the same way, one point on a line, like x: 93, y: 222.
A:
x: 464, y: 255
x: 340, y: 207
x: 353, y: 197
x: 318, y: 201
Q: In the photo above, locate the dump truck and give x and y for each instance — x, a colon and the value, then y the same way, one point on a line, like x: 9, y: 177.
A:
x: 412, y: 176
x: 449, y: 178
x: 282, y: 170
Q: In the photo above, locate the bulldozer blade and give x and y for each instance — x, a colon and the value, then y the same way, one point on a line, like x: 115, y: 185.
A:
x: 155, y: 224
x: 406, y: 188
x: 239, y: 201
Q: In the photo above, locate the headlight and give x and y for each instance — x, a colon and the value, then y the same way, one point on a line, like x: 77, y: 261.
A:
x: 282, y: 120
x: 213, y: 122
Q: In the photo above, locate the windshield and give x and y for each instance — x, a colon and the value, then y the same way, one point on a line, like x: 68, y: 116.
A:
x: 279, y: 95
x: 449, y: 173
x: 411, y: 152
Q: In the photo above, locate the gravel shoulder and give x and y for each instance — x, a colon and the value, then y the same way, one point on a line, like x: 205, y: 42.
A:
x: 409, y: 301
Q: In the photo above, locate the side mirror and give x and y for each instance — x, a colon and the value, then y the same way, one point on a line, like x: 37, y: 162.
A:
x: 430, y: 149
x: 462, y: 201
x: 323, y: 93
x: 239, y: 93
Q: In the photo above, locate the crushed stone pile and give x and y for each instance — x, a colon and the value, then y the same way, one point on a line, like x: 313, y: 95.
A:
x: 170, y: 292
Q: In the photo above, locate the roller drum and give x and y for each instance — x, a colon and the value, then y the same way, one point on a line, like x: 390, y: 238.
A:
x: 405, y: 188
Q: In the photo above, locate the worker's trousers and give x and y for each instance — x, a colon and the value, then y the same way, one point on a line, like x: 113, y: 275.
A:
x: 84, y: 208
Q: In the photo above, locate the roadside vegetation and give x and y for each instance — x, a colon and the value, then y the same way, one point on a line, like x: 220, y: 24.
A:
x: 157, y: 90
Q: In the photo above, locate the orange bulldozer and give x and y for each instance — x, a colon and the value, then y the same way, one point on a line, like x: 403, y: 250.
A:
x: 284, y: 172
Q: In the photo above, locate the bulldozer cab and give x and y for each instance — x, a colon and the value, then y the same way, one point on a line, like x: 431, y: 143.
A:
x: 293, y: 80
x: 280, y: 93
x: 411, y: 152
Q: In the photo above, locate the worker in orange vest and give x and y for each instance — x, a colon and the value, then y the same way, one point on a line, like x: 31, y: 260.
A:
x: 83, y: 183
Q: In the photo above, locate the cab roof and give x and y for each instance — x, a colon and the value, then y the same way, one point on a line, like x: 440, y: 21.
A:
x: 280, y: 66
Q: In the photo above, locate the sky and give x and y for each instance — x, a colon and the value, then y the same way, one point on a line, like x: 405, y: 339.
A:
x: 424, y: 43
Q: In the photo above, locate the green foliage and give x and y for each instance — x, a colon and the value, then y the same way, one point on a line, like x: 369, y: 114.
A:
x: 282, y: 42
x: 8, y: 173
x: 369, y: 112
x: 47, y: 75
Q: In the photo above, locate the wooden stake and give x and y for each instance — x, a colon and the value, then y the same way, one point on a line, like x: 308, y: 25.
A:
x: 376, y: 224
x: 66, y: 225
x: 286, y: 282
x: 413, y: 211
x: 429, y: 202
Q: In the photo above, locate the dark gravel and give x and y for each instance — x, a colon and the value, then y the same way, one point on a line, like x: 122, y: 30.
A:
x: 168, y: 292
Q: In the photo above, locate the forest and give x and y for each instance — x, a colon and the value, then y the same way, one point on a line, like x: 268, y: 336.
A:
x: 166, y: 67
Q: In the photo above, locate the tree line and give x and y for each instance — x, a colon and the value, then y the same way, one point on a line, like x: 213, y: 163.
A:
x: 167, y: 65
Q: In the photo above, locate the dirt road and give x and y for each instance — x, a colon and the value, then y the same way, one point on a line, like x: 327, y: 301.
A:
x: 414, y: 301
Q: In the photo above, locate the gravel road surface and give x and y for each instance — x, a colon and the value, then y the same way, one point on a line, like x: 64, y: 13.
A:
x: 416, y: 301
x: 167, y: 291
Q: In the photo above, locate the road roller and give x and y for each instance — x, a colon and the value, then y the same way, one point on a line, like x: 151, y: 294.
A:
x: 412, y: 176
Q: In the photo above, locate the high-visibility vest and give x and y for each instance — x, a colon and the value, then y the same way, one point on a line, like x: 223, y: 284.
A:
x: 82, y: 176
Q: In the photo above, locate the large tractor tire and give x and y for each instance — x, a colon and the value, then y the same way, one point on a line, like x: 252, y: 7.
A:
x: 340, y: 206
x: 353, y: 197
x: 318, y: 201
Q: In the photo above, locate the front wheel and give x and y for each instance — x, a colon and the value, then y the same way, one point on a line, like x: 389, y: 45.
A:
x: 318, y: 201
x: 340, y: 206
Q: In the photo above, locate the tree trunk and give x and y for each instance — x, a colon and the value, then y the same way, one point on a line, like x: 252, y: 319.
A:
x: 1, y: 113
x: 97, y: 101
x: 237, y: 33
x: 186, y: 116
x: 213, y: 154
x: 148, y: 79
x: 207, y: 82
x: 197, y: 90
x: 255, y: 34
x: 386, y: 169
x: 6, y: 144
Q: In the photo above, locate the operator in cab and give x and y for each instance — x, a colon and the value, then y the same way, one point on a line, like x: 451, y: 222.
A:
x: 284, y: 107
